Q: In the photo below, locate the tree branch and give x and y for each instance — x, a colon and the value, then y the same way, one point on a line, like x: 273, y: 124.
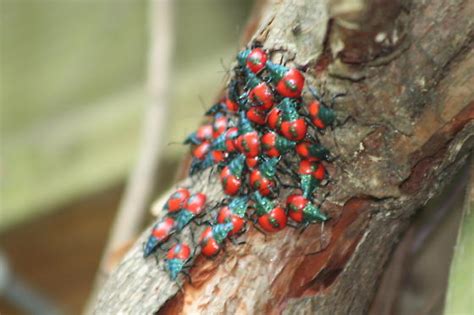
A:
x: 405, y: 125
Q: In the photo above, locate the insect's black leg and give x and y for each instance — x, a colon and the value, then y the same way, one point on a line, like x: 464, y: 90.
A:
x: 187, y: 275
x: 235, y: 242
x: 179, y: 286
x: 175, y: 238
x: 341, y: 94
x: 292, y: 225
x: 305, y: 226
x: 192, y: 237
x: 204, y: 222
x: 163, y: 248
x: 260, y: 230
x: 314, y: 93
x: 157, y: 258
x: 287, y: 186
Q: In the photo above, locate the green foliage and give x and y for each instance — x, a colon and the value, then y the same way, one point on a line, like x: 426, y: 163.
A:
x: 460, y: 298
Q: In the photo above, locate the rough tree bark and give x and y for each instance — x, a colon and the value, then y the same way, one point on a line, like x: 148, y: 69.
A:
x: 405, y: 126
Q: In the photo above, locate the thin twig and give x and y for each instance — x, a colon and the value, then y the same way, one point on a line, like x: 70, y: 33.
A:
x: 142, y: 182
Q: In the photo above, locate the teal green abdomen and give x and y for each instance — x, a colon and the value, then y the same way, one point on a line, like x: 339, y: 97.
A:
x: 311, y: 214
x: 183, y: 218
x: 308, y: 185
x: 174, y: 267
x: 221, y: 231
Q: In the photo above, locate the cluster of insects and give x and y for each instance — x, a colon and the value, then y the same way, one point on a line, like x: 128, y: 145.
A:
x: 262, y: 139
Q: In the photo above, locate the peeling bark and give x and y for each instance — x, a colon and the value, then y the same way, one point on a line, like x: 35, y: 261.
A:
x: 405, y: 126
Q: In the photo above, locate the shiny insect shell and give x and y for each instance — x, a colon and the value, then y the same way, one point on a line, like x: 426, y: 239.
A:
x: 235, y: 213
x: 274, y: 145
x: 285, y: 119
x: 213, y: 237
x: 270, y: 217
x: 248, y: 141
x: 253, y: 59
x: 257, y: 116
x: 312, y: 151
x: 225, y: 142
x: 160, y: 233
x: 292, y: 126
x: 177, y: 200
x: 320, y: 115
x: 220, y: 124
x: 289, y: 81
x: 252, y: 162
x: 301, y: 210
x: 260, y: 95
x: 194, y: 208
x: 231, y: 174
x: 224, y: 106
x: 262, y: 178
x: 311, y: 175
x: 201, y: 150
x: 203, y: 133
x: 176, y: 259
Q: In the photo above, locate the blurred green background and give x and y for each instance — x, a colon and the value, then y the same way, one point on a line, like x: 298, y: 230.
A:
x: 73, y: 91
